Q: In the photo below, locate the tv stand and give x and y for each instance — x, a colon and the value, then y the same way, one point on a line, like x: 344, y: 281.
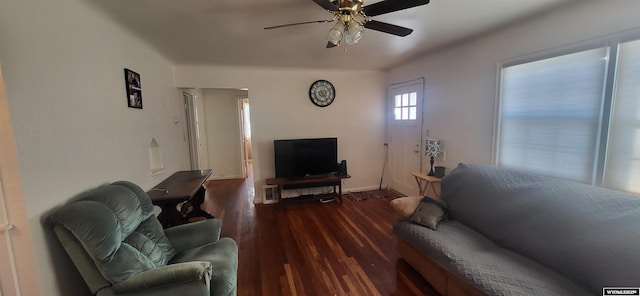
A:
x: 309, y: 182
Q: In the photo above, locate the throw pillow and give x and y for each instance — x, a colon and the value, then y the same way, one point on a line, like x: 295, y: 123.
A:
x: 430, y: 212
x: 405, y: 206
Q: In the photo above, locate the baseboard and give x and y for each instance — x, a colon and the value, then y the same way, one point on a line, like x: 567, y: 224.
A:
x: 345, y: 191
x: 357, y: 189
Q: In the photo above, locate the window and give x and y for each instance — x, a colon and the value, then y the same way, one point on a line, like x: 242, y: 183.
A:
x: 559, y: 118
x: 406, y: 106
x: 622, y: 169
x: 550, y: 113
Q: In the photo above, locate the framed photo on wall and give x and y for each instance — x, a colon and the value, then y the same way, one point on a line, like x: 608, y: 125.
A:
x: 134, y: 89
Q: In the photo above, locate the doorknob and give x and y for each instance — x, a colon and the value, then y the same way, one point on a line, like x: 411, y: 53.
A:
x: 416, y: 151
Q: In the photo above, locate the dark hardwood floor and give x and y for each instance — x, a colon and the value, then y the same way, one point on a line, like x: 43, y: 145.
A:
x: 312, y: 248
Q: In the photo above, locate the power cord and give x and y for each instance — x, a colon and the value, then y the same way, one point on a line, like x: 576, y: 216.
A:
x: 384, y: 165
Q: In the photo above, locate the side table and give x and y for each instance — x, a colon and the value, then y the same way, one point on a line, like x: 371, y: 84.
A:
x: 425, y: 181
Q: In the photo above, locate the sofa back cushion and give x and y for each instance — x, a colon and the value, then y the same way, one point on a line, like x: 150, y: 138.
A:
x: 116, y: 226
x: 589, y: 234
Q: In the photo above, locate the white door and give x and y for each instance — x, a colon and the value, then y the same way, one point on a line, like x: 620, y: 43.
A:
x: 190, y: 128
x: 405, y: 135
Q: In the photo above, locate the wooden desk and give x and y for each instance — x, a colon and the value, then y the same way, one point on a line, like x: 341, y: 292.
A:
x: 309, y: 182
x: 425, y: 181
x: 179, y: 187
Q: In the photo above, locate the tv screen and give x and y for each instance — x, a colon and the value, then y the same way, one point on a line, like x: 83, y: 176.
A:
x: 298, y: 158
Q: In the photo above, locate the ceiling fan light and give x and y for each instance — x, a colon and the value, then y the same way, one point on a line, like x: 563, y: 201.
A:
x: 354, y: 33
x: 336, y: 33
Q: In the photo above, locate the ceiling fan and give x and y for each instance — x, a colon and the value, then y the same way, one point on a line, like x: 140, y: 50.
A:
x: 352, y: 17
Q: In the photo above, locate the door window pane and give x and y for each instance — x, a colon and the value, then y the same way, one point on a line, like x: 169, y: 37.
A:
x: 406, y: 106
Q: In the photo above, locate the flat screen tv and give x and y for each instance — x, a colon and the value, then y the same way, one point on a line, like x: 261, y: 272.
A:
x: 299, y: 158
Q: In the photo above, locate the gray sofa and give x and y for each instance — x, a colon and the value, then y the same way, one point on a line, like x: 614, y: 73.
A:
x: 512, y: 233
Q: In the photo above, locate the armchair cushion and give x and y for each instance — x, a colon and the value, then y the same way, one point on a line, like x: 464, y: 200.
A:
x: 223, y: 256
x: 188, y: 236
x: 166, y: 275
x: 116, y: 226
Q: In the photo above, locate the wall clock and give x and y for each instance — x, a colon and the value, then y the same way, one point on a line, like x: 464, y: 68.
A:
x: 322, y: 93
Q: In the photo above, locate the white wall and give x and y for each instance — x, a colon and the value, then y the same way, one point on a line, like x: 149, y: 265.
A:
x: 221, y: 112
x: 281, y: 109
x: 460, y: 90
x: 63, y: 68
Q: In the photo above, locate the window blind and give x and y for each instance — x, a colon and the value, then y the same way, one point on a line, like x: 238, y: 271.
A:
x: 622, y: 166
x: 550, y: 112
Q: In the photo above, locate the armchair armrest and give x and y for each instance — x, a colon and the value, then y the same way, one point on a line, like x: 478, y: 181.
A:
x: 164, y: 276
x: 188, y: 236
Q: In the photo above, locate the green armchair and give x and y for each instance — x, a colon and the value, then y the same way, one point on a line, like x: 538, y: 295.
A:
x: 120, y: 248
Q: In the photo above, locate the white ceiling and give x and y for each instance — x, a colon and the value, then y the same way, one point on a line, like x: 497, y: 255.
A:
x: 230, y: 32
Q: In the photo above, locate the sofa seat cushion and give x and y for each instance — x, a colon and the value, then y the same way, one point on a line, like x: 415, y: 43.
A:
x: 481, y: 263
x: 224, y: 270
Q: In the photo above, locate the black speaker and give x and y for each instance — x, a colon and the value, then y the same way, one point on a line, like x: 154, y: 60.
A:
x: 342, y: 168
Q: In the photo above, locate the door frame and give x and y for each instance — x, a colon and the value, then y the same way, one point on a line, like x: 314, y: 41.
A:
x: 19, y: 277
x: 242, y: 119
x: 196, y: 118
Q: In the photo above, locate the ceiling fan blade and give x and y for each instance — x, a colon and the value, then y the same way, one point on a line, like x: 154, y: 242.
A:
x: 326, y: 4
x: 388, y: 28
x: 300, y: 23
x: 330, y: 45
x: 387, y: 6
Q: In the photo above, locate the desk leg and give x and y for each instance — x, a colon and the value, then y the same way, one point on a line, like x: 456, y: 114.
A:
x: 196, y: 201
x: 169, y: 216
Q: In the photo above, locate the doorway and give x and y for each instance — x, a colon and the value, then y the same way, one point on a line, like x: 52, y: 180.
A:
x: 405, y: 134
x: 219, y: 130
